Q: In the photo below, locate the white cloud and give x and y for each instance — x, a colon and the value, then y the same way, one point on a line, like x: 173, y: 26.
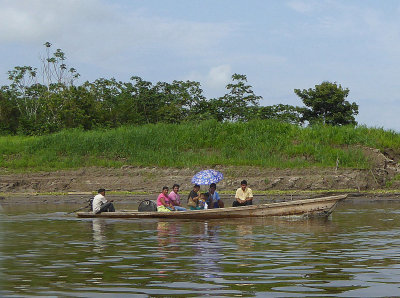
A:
x: 302, y: 6
x: 31, y: 21
x: 219, y: 76
x: 214, y: 81
x: 101, y: 29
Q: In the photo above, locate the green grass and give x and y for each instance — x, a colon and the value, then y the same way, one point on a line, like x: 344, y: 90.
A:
x: 257, y: 143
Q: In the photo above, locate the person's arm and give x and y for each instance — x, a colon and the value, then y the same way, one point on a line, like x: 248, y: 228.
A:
x: 210, y: 201
x: 217, y: 199
x: 162, y: 200
x: 210, y: 204
x: 237, y: 196
x: 249, y: 195
x: 195, y: 196
x: 169, y: 205
x: 172, y: 198
x: 107, y: 201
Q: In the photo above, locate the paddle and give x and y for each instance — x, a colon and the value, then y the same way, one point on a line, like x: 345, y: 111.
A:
x: 87, y: 206
x: 79, y: 209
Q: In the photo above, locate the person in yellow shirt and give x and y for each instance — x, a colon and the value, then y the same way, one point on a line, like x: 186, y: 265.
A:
x: 243, y: 196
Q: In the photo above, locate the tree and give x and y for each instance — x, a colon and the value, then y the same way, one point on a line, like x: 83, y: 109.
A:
x: 55, y: 72
x: 281, y: 112
x: 179, y: 100
x: 9, y: 114
x: 238, y: 102
x: 39, y: 104
x: 327, y: 104
x: 109, y: 108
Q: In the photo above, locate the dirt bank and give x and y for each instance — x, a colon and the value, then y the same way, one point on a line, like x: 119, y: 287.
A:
x: 151, y: 179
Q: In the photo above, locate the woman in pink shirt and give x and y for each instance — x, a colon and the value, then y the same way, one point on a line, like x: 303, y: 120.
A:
x: 164, y: 202
x: 176, y: 198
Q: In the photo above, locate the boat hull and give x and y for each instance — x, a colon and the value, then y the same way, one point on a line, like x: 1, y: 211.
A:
x: 309, y: 207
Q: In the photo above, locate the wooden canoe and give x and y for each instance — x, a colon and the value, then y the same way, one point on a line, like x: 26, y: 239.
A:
x: 309, y: 207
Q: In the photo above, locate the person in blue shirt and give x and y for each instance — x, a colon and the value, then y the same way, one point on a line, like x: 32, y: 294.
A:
x: 214, y: 201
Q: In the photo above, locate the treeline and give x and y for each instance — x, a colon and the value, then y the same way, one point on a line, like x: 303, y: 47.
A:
x: 49, y: 100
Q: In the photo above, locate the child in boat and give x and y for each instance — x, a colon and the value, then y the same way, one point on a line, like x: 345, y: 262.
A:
x: 193, y: 198
x: 202, y: 201
x: 199, y: 204
x: 164, y: 202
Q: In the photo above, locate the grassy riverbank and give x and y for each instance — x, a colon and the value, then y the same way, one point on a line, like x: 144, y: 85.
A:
x: 257, y: 143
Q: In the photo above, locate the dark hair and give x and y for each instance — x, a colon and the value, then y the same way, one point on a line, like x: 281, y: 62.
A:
x: 175, y: 185
x: 196, y: 185
x: 101, y: 190
x: 213, y: 185
x: 165, y: 187
x: 243, y: 182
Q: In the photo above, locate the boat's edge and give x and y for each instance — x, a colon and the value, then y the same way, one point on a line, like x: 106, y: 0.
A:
x: 223, y: 212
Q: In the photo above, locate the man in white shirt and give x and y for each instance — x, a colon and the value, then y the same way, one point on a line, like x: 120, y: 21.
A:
x: 100, y: 204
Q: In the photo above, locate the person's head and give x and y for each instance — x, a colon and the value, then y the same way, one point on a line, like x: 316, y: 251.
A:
x: 213, y: 187
x: 175, y: 188
x: 165, y: 190
x: 196, y: 187
x: 243, y: 185
x: 203, y: 196
x: 101, y: 191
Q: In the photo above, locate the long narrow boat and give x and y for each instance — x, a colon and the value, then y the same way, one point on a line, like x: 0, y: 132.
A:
x: 309, y: 207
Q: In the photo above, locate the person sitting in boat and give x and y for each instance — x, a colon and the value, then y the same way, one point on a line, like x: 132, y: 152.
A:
x: 203, y: 198
x: 100, y: 204
x: 164, y: 202
x: 214, y: 201
x: 176, y: 198
x: 243, y: 196
x: 193, y: 198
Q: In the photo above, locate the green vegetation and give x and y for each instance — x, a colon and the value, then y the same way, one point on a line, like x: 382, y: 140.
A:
x: 48, y: 100
x: 390, y: 182
x: 265, y: 143
x: 327, y: 104
x: 50, y: 123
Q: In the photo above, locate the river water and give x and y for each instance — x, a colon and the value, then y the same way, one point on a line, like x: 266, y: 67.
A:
x: 46, y: 252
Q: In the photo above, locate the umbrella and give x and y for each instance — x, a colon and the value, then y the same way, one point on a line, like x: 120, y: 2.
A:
x: 207, y: 177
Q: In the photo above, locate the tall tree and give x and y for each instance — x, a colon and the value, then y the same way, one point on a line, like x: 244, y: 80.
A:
x: 327, y: 104
x: 38, y: 103
x: 238, y: 102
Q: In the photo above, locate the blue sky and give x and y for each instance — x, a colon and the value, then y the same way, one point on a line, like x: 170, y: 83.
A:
x: 280, y: 45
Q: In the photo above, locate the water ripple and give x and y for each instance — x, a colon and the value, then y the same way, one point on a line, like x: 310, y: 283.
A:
x: 52, y: 254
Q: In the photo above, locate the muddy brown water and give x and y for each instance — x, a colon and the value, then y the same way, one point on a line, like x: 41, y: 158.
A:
x: 46, y: 252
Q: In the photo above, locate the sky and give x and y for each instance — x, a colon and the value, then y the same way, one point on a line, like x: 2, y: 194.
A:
x: 280, y: 45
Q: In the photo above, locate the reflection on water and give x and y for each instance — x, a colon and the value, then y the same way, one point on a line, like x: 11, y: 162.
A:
x: 244, y: 237
x: 167, y: 235
x: 99, y: 239
x: 208, y: 252
x: 354, y: 253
